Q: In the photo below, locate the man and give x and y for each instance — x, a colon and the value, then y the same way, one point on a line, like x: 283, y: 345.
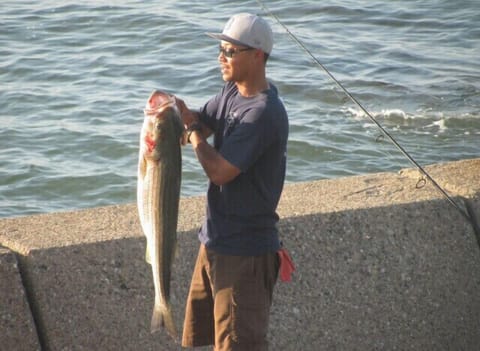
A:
x: 237, y: 265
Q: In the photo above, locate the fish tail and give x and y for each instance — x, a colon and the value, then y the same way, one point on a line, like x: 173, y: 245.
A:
x: 157, y: 320
x: 162, y: 317
x: 169, y: 323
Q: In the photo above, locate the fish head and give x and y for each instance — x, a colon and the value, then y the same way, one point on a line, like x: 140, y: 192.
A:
x: 162, y: 124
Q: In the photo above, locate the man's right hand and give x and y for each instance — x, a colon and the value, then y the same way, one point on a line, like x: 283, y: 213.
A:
x: 188, y: 116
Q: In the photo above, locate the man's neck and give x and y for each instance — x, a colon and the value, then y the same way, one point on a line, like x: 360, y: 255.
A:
x: 250, y: 89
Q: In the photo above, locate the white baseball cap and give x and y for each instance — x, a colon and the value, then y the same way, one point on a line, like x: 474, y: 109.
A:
x: 247, y: 30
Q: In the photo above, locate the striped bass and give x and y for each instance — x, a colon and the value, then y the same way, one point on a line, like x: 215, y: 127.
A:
x: 158, y: 194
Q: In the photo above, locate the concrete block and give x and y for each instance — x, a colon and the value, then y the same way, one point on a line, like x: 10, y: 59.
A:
x: 17, y: 329
x: 92, y: 287
x: 402, y: 277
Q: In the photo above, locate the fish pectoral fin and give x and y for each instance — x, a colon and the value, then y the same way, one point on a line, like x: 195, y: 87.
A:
x: 142, y: 167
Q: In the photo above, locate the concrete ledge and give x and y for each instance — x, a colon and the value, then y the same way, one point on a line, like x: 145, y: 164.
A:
x: 381, y: 265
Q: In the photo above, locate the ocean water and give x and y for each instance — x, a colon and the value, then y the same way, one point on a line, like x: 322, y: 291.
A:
x: 75, y: 75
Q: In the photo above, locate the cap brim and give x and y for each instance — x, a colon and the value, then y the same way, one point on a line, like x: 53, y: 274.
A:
x: 224, y: 37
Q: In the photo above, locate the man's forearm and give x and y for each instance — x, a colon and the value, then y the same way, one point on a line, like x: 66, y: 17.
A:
x: 217, y: 168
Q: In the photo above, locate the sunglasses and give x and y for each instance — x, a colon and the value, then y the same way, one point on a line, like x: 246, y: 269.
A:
x: 229, y: 53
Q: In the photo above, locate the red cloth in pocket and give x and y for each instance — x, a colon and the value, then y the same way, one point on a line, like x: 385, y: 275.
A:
x: 286, y: 265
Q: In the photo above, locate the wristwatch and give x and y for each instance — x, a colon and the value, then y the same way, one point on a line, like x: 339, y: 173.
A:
x: 195, y: 126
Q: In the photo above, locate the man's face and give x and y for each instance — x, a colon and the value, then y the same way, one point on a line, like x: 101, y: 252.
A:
x: 235, y: 61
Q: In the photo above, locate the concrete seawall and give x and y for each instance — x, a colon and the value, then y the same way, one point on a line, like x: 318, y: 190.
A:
x: 381, y: 265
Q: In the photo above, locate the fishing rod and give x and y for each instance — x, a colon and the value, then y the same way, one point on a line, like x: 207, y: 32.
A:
x: 468, y: 215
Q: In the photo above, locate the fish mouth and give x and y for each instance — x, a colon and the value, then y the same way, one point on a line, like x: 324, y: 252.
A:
x: 157, y: 102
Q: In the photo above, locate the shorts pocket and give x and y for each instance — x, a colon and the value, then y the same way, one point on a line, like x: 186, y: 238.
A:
x: 250, y: 304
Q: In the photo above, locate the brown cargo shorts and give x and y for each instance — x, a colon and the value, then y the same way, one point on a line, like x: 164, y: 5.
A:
x: 229, y: 301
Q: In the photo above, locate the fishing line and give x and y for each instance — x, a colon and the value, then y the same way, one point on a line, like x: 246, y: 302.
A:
x: 467, y: 216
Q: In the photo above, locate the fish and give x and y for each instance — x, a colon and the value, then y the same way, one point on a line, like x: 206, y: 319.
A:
x: 158, y: 196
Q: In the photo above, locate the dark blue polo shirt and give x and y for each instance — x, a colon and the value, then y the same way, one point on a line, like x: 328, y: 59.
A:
x: 251, y: 133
